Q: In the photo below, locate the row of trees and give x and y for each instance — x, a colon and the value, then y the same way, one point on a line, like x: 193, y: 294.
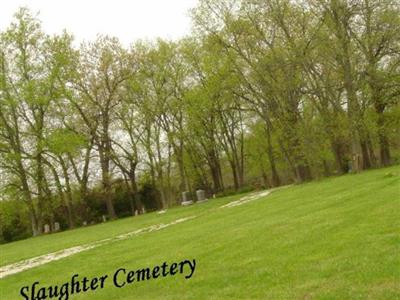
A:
x: 266, y: 92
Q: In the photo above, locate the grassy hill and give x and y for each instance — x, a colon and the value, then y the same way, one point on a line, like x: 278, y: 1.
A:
x: 337, y: 238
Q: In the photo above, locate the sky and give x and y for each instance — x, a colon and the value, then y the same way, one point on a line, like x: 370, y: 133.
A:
x: 128, y: 20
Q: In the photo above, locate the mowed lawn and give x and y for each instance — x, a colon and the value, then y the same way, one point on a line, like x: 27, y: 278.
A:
x: 337, y: 238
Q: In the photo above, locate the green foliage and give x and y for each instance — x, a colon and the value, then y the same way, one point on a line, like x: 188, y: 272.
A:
x: 14, y: 221
x: 65, y: 141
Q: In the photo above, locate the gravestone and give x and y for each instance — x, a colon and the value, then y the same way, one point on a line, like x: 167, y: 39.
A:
x: 104, y: 218
x: 56, y: 226
x: 186, y: 198
x: 201, y: 196
x: 136, y: 212
x: 46, y: 228
x: 84, y: 223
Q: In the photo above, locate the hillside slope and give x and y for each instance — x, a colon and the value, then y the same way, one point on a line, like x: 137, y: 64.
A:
x: 337, y: 238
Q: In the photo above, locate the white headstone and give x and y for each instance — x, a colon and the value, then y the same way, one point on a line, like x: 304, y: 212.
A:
x: 104, y: 218
x: 186, y: 199
x: 84, y: 223
x: 186, y: 196
x: 201, y: 195
x: 56, y: 226
x: 46, y: 228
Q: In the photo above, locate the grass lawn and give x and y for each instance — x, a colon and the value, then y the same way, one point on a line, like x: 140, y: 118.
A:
x: 337, y: 238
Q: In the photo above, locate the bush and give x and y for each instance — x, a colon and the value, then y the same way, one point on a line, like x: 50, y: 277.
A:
x: 14, y: 221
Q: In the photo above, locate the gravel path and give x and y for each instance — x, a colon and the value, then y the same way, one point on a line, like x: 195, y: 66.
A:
x: 44, y: 259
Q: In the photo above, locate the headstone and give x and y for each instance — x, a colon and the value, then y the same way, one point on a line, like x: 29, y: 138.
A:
x: 46, y: 228
x: 201, y: 196
x: 104, y: 218
x: 143, y: 210
x: 84, y: 223
x: 136, y: 212
x: 214, y: 196
x: 56, y: 226
x: 186, y: 198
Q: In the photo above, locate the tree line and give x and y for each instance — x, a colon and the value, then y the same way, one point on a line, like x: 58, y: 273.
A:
x: 262, y: 93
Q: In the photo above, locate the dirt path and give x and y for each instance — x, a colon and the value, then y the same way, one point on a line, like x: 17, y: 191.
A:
x: 43, y: 259
x: 248, y: 198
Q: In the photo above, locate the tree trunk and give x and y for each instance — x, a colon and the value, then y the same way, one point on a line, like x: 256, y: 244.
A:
x: 234, y: 174
x: 134, y: 189
x: 366, y: 161
x: 326, y: 168
x: 264, y: 177
x: 35, y: 224
x: 339, y: 150
x: 303, y: 172
x: 106, y: 183
x: 62, y: 196
x: 105, y: 157
x: 276, y: 181
x: 353, y: 106
x: 384, y: 148
x: 215, y: 169
x: 69, y: 200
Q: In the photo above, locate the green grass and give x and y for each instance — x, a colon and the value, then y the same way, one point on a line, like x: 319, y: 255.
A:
x: 336, y: 238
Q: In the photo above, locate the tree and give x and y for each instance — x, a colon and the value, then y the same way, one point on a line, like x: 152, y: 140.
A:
x: 103, y: 69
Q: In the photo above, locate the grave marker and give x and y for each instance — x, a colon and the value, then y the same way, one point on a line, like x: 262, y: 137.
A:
x: 201, y: 196
x: 186, y: 198
x: 56, y: 226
